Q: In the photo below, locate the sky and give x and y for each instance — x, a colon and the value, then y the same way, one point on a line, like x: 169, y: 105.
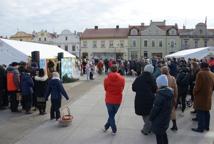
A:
x: 77, y: 15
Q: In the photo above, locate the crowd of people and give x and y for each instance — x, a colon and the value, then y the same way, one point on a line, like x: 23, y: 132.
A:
x: 26, y: 85
x: 161, y: 87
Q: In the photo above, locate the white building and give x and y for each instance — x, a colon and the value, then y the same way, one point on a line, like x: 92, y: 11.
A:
x: 156, y: 39
x: 44, y: 37
x: 69, y: 41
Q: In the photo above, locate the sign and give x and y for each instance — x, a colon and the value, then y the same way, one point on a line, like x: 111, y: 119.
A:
x: 42, y: 64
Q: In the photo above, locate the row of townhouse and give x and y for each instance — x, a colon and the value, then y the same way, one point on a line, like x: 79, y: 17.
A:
x: 135, y: 42
x: 66, y: 40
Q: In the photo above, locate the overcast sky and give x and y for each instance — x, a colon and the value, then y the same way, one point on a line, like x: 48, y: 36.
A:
x: 57, y: 15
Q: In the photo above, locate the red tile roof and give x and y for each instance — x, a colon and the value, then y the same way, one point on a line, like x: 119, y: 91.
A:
x: 105, y: 33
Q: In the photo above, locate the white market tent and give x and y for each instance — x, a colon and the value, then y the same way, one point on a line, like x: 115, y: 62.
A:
x: 197, y: 53
x: 12, y: 50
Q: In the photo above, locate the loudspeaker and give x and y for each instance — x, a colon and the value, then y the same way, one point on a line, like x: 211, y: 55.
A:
x: 35, y: 56
x: 60, y: 56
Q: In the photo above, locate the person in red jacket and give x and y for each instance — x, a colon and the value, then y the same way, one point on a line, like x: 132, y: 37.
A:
x: 114, y: 84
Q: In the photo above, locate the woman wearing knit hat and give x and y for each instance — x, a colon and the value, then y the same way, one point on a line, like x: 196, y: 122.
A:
x: 145, y: 88
x: 161, y: 111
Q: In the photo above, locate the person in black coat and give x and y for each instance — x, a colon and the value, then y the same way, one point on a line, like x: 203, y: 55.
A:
x: 145, y: 88
x: 183, y: 85
x: 56, y: 89
x: 40, y: 89
x: 3, y: 88
x: 161, y: 111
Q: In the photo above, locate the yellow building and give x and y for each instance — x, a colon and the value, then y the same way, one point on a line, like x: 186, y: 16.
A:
x: 22, y: 36
x: 105, y: 43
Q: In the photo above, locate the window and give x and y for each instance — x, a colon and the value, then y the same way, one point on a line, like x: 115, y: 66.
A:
x: 66, y: 48
x: 153, y: 43
x: 20, y: 39
x: 45, y: 39
x: 145, y: 54
x: 145, y: 43
x: 160, y: 43
x: 102, y: 44
x: 186, y: 44
x: 59, y: 46
x: 134, y: 32
x: 111, y: 44
x: 205, y: 43
x: 172, y: 44
x: 73, y: 48
x: 196, y: 43
x: 66, y: 38
x: 39, y: 39
x: 134, y: 43
x: 122, y: 43
x: 133, y: 55
x: 85, y: 44
x: 94, y: 44
x: 172, y: 32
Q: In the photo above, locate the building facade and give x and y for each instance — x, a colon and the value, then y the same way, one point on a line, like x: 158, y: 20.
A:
x: 69, y: 41
x: 44, y: 37
x: 154, y: 40
x: 200, y: 36
x: 22, y: 36
x: 105, y: 43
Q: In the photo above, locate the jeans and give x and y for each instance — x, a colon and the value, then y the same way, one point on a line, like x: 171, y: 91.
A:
x: 112, y: 110
x: 203, y: 119
x: 55, y: 106
x: 162, y: 139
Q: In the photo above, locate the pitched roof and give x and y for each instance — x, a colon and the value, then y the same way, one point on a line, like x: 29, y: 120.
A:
x: 105, y: 33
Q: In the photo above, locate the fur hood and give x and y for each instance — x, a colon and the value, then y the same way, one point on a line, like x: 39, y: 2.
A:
x: 44, y: 78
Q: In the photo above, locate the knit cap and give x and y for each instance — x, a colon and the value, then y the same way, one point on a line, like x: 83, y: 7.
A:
x: 162, y: 80
x: 149, y: 68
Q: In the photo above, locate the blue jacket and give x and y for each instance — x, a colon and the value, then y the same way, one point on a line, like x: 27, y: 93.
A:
x: 26, y: 84
x: 161, y: 111
x: 56, y: 89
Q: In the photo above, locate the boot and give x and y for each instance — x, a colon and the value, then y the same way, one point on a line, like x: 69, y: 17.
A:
x: 174, y: 126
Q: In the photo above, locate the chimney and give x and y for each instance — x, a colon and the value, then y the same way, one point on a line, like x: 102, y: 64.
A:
x: 176, y: 25
x: 96, y: 27
x: 184, y: 27
x: 142, y: 24
x: 117, y: 27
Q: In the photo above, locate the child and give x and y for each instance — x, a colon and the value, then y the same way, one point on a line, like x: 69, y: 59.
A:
x: 27, y: 90
x: 56, y: 89
x: 161, y: 111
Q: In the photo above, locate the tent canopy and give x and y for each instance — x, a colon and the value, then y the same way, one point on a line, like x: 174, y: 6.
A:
x: 197, y: 53
x: 11, y: 50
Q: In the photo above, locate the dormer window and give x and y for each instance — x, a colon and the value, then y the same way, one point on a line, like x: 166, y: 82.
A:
x: 134, y: 32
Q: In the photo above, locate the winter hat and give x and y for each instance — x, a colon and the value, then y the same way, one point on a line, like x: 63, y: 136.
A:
x: 162, y: 80
x: 149, y: 68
